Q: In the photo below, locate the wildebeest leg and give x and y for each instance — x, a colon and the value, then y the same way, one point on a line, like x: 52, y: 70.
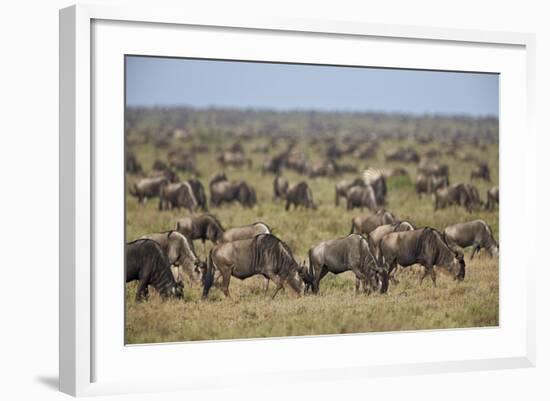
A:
x: 226, y: 277
x: 429, y: 269
x: 266, y: 285
x: 432, y: 274
x: 476, y: 249
x: 287, y: 206
x: 142, y: 290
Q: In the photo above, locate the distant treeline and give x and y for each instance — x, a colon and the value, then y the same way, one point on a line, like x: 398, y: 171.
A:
x: 207, y: 124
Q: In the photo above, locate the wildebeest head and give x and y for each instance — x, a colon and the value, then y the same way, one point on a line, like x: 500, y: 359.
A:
x: 199, y: 269
x: 458, y: 266
x: 306, y: 276
x: 177, y: 291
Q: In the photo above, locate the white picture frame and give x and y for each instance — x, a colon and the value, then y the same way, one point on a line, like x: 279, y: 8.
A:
x: 83, y: 350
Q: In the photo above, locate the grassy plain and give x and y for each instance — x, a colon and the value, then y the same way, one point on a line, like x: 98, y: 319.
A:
x: 249, y: 314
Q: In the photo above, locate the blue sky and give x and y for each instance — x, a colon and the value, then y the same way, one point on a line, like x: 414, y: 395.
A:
x: 154, y: 81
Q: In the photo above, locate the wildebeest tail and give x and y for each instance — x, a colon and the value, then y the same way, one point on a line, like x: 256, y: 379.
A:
x: 208, y: 276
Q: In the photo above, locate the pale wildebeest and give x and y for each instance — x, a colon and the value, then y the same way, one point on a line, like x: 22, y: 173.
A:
x: 264, y: 254
x: 165, y: 172
x: 146, y: 263
x: 224, y: 191
x: 481, y: 171
x: 234, y: 158
x: 280, y: 187
x: 147, y: 188
x: 183, y: 161
x: 376, y: 235
x: 425, y: 246
x: 323, y: 168
x: 366, y: 223
x: 180, y: 254
x: 376, y: 180
x: 203, y: 227
x: 176, y: 196
x: 339, y: 255
x: 361, y: 197
x: 431, y: 168
x: 299, y: 194
x: 476, y: 233
x: 343, y: 186
x: 245, y: 232
x: 492, y: 198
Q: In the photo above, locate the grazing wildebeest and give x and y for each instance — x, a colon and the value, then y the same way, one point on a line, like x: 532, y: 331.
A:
x: 425, y: 246
x: 492, y: 198
x: 146, y: 263
x: 465, y: 195
x: 339, y: 255
x: 323, y: 168
x: 203, y: 227
x: 427, y: 184
x: 177, y: 195
x: 264, y: 254
x: 394, y: 172
x: 280, y: 187
x: 431, y: 168
x: 300, y: 194
x: 376, y: 180
x: 481, y: 171
x: 165, y: 172
x: 407, y: 155
x: 234, y: 158
x: 183, y: 161
x: 245, y: 232
x: 199, y: 193
x: 222, y: 190
x: 361, y: 197
x: 476, y: 233
x: 343, y: 186
x: 147, y: 188
x: 180, y: 254
x: 366, y: 223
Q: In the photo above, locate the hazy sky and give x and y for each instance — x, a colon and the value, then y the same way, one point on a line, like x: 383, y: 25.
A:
x: 153, y: 81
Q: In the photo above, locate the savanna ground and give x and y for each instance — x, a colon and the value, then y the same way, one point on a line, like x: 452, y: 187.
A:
x: 249, y: 314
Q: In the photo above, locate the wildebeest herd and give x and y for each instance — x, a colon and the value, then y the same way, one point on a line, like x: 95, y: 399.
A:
x: 201, y: 188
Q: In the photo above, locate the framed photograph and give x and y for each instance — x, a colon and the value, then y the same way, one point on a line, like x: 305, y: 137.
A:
x: 239, y: 195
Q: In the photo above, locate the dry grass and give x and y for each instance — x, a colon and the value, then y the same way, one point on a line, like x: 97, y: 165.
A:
x: 249, y: 314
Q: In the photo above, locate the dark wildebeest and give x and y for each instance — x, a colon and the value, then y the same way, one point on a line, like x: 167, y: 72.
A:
x: 339, y: 255
x: 280, y: 187
x: 147, y: 188
x: 361, y: 197
x: 431, y: 168
x: 199, y: 193
x: 177, y: 195
x: 264, y: 254
x: 146, y: 263
x: 376, y: 180
x: 323, y: 168
x: 476, y: 233
x: 180, y: 254
x: 407, y: 155
x: 183, y: 161
x: 300, y: 195
x: 492, y: 198
x: 425, y: 246
x: 481, y: 171
x: 464, y: 195
x: 427, y: 184
x: 132, y: 164
x: 366, y: 223
x: 343, y: 186
x: 203, y: 227
x: 222, y: 190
